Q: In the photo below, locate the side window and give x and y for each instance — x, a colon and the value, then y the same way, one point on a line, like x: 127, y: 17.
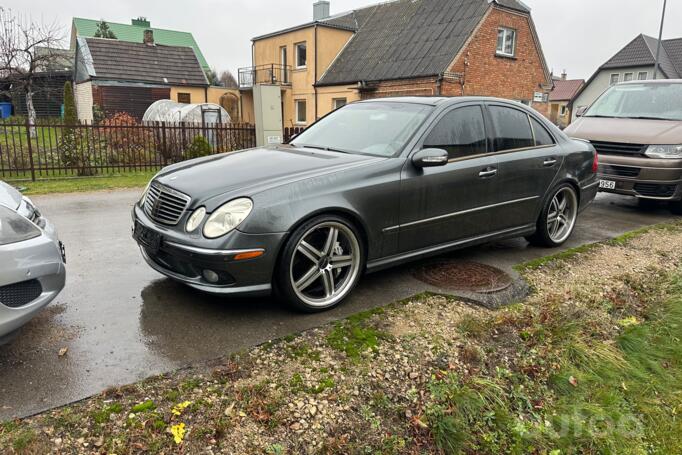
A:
x: 460, y: 132
x: 512, y: 128
x: 542, y: 136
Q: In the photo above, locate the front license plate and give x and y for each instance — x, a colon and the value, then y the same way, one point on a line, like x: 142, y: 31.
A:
x: 147, y: 237
x: 607, y: 184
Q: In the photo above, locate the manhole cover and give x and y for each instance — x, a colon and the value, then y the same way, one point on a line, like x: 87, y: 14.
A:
x: 462, y: 276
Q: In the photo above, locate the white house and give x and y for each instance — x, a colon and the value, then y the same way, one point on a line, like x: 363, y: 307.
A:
x: 635, y: 61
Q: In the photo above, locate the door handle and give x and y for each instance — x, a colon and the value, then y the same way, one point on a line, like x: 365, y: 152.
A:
x: 549, y: 162
x: 488, y: 172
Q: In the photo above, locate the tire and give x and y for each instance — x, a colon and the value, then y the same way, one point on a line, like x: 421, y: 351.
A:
x: 551, y: 231
x: 676, y: 207
x: 320, y: 264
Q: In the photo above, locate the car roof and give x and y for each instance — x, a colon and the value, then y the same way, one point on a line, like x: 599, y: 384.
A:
x: 440, y: 100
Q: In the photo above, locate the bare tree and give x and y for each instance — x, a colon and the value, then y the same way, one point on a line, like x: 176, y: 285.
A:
x: 27, y: 49
x: 228, y: 80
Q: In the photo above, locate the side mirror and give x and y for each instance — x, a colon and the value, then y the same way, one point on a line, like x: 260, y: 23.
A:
x: 430, y: 158
x: 581, y: 111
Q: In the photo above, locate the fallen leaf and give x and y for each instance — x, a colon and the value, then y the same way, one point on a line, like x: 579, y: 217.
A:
x: 573, y: 381
x: 62, y: 352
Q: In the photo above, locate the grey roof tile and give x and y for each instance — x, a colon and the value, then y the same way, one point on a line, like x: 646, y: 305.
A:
x: 406, y: 38
x: 158, y: 64
x: 641, y: 51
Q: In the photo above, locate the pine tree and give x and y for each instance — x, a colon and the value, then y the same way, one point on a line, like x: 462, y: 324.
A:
x: 103, y: 30
x: 70, y: 114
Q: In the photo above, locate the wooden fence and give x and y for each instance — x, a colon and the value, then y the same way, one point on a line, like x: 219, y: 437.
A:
x: 52, y: 150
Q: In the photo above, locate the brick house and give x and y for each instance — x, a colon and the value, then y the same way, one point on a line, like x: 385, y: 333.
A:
x: 402, y: 47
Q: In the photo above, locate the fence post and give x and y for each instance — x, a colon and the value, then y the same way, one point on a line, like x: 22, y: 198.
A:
x: 163, y: 137
x: 30, y: 149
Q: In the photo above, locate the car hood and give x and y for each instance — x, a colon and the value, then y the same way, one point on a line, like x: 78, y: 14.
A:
x: 631, y: 131
x: 255, y: 170
x: 9, y: 196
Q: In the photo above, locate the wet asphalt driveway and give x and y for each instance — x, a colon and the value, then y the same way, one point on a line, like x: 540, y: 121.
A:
x: 122, y: 322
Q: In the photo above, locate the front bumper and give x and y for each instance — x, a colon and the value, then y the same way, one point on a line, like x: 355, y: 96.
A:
x: 186, y: 258
x: 35, y: 264
x: 642, y: 177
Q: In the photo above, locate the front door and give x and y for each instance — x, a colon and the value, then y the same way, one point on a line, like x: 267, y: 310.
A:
x: 528, y: 158
x: 440, y: 205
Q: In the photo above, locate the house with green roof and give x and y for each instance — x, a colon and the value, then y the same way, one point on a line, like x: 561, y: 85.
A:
x: 134, y: 33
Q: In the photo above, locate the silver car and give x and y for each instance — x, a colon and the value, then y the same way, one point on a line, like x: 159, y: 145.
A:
x: 32, y: 262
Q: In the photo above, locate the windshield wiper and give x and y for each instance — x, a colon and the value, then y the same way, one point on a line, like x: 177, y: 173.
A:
x: 644, y: 117
x: 600, y: 116
x: 320, y: 147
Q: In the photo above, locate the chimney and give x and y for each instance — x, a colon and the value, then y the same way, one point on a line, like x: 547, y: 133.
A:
x: 320, y: 10
x: 564, y: 75
x: 148, y: 37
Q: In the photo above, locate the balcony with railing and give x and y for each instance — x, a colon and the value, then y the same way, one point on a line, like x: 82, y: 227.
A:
x: 270, y: 74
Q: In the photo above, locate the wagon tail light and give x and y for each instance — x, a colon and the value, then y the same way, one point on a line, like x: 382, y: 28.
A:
x: 595, y: 163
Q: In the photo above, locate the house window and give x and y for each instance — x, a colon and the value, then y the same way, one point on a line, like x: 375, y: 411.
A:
x: 338, y: 102
x: 185, y: 98
x: 506, y: 42
x: 628, y: 77
x: 301, y: 55
x: 564, y: 109
x: 301, y: 114
x: 643, y: 75
x: 615, y: 78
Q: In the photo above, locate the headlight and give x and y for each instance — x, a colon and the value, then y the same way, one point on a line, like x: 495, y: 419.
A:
x: 664, y: 151
x: 195, y: 219
x: 15, y: 228
x: 227, y: 217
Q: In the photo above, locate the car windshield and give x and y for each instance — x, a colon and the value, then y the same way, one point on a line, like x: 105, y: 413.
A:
x: 377, y: 128
x: 658, y: 101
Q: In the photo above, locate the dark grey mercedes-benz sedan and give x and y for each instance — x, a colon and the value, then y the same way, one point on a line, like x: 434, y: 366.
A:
x: 373, y: 184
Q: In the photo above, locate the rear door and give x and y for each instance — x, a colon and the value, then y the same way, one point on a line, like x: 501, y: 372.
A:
x: 528, y: 160
x: 443, y: 204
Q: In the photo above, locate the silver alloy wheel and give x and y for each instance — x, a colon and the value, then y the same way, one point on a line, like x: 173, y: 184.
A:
x: 325, y: 264
x: 562, y: 213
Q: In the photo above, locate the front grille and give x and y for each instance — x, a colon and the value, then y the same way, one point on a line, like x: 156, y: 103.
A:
x: 20, y: 294
x: 617, y: 148
x: 621, y: 171
x: 165, y: 205
x: 655, y: 190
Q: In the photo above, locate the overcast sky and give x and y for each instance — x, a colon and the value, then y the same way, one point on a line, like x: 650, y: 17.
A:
x: 576, y: 35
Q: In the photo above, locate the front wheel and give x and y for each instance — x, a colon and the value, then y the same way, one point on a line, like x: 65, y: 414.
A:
x: 321, y: 264
x: 557, y: 219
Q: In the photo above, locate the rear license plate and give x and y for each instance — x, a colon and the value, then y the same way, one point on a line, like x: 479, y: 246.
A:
x: 607, y: 184
x: 147, y: 237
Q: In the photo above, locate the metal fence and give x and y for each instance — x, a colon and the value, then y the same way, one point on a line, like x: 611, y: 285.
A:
x: 291, y: 131
x: 52, y: 150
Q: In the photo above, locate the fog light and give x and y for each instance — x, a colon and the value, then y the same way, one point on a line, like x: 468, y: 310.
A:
x: 211, y: 276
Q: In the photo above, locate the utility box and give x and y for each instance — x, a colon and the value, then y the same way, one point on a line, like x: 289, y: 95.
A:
x: 267, y: 106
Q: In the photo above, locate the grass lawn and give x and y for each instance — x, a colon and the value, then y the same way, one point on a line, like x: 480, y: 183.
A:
x: 70, y: 185
x: 591, y: 362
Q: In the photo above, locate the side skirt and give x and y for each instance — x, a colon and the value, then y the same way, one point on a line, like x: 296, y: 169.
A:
x: 384, y: 263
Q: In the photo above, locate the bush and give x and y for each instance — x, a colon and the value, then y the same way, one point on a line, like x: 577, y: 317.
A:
x: 199, y: 147
x: 126, y: 145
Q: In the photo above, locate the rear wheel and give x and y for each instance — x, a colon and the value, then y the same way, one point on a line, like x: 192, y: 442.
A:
x: 557, y: 219
x: 321, y: 264
x: 676, y: 207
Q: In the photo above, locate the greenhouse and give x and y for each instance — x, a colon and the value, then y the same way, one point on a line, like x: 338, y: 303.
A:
x: 170, y: 111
